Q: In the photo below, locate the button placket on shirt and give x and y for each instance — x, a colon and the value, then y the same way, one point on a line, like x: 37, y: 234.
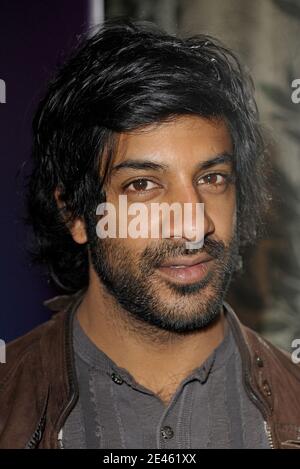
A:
x: 167, y: 432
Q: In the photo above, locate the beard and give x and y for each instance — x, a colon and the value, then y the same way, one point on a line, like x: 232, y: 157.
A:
x: 131, y: 278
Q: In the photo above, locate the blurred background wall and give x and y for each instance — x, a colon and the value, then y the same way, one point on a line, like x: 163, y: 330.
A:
x: 265, y: 35
x: 34, y: 37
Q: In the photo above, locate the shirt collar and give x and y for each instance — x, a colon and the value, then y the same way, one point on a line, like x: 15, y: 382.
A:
x: 96, y: 358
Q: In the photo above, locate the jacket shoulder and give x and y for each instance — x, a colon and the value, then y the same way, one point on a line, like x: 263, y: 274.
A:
x: 275, y: 357
x: 278, y: 381
x: 35, y: 378
x: 26, y: 349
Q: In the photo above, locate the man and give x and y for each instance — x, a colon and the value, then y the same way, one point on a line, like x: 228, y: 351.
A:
x: 143, y: 351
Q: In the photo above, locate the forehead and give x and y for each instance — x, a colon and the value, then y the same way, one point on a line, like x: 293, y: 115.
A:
x: 181, y: 140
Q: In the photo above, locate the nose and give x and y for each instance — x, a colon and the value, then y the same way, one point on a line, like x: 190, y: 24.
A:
x: 195, y: 224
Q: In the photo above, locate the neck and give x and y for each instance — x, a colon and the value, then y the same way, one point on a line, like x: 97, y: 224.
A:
x: 159, y: 360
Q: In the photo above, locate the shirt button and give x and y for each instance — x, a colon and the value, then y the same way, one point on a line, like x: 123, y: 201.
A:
x: 167, y: 433
x: 116, y: 378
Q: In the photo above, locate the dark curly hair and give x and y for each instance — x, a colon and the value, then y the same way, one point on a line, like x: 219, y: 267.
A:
x: 126, y: 76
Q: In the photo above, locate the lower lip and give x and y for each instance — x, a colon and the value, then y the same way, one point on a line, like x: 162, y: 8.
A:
x: 190, y: 274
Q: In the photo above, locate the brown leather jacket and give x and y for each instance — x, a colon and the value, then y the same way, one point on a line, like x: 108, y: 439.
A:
x: 38, y: 385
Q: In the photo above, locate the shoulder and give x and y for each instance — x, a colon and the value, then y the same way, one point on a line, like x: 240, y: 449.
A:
x: 35, y: 376
x: 269, y: 371
x: 263, y: 352
x: 25, y: 351
x: 263, y: 355
x: 34, y: 349
x: 278, y: 380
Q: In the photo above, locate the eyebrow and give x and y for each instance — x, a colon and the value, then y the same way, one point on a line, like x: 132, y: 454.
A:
x: 218, y: 159
x: 151, y: 165
x: 140, y: 164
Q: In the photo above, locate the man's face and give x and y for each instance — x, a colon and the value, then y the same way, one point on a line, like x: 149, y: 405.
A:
x: 160, y: 281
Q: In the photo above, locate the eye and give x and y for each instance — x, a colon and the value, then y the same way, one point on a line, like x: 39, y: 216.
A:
x: 213, y: 180
x: 141, y: 185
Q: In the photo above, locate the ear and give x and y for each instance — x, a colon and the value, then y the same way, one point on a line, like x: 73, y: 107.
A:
x: 77, y: 226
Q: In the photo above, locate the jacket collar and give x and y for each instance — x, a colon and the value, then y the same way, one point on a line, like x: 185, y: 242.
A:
x: 58, y: 344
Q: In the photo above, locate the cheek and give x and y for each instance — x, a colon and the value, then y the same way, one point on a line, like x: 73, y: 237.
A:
x: 133, y: 246
x: 223, y: 215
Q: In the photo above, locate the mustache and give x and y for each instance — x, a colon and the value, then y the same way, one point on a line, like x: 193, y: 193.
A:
x: 154, y: 256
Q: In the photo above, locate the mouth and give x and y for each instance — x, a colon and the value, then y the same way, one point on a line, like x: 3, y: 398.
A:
x: 185, y: 270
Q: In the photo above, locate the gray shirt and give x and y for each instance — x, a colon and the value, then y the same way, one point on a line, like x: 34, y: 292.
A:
x: 210, y: 408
